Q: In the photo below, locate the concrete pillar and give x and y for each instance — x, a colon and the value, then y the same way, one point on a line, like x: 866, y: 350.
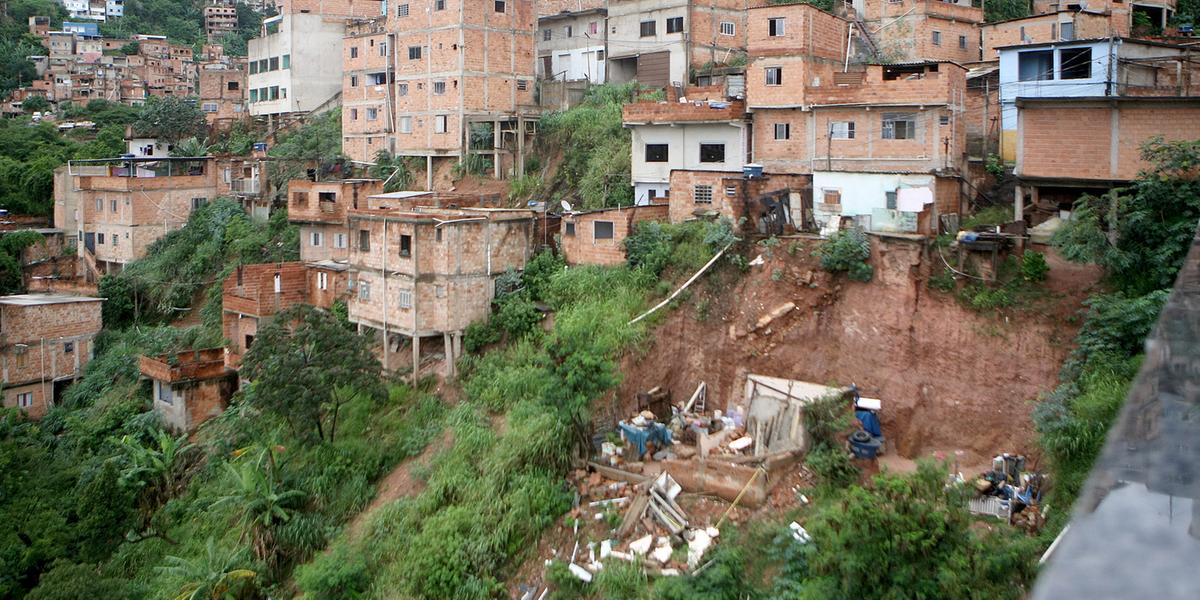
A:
x: 1018, y: 203
x: 449, y: 349
x: 496, y: 149
x: 429, y: 173
x: 416, y: 351
x: 457, y: 343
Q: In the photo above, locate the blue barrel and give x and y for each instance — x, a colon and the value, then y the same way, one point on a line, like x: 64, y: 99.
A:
x: 862, y: 445
x: 752, y: 171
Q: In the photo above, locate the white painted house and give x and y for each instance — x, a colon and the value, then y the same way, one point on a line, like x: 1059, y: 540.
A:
x: 297, y: 65
x: 659, y: 148
x: 571, y: 46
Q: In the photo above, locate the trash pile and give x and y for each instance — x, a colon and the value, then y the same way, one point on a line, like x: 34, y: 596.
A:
x: 1009, y: 492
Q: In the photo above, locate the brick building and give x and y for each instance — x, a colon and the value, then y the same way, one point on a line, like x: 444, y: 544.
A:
x: 220, y: 17
x: 448, y: 79
x: 320, y: 209
x: 1057, y: 26
x: 189, y: 387
x: 913, y: 30
x: 45, y: 342
x: 425, y: 272
x: 116, y: 208
x: 251, y: 295
x: 1121, y: 14
x: 597, y: 237
x: 660, y: 43
x: 222, y: 87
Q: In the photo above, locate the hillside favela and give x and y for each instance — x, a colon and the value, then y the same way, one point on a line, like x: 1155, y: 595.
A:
x: 600, y: 299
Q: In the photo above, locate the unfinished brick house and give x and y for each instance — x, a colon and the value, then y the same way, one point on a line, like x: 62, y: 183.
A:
x: 189, y: 387
x: 660, y: 43
x: 45, y: 342
x: 1057, y: 26
x: 118, y: 207
x: 429, y: 272
x: 1121, y: 14
x: 320, y: 209
x: 254, y: 293
x: 597, y: 237
x: 448, y: 79
x: 907, y: 30
x: 223, y: 92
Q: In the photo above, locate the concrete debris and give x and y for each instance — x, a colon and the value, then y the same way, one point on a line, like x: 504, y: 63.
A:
x: 741, y: 443
x: 581, y: 573
x: 758, y: 261
x: 799, y: 533
x: 641, y: 546
x: 663, y: 552
x: 698, y: 544
x: 775, y: 313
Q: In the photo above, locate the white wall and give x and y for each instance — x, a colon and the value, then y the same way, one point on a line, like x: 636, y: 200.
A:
x: 1012, y: 88
x: 684, y: 149
x: 576, y: 64
x: 315, y: 46
x: 861, y: 193
x: 624, y: 32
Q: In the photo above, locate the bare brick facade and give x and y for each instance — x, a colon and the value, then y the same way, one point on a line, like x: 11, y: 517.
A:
x: 598, y: 237
x: 254, y: 293
x: 189, y: 387
x: 45, y: 342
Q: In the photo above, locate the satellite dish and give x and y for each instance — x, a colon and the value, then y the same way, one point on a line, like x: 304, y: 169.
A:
x: 566, y: 206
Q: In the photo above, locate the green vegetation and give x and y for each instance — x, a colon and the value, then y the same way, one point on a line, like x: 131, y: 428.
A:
x: 847, y: 251
x: 395, y: 171
x: 170, y: 118
x: 16, y: 43
x: 1140, y: 235
x: 992, y: 215
x: 594, y: 148
x: 1003, y: 10
x: 317, y: 144
x: 11, y: 247
x: 682, y: 248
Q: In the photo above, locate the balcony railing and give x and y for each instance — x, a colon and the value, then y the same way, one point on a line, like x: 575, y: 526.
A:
x: 246, y: 186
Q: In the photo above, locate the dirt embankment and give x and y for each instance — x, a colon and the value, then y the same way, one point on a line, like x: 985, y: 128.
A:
x: 951, y: 379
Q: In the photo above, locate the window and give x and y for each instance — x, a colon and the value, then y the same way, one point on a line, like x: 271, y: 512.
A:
x: 405, y: 298
x: 198, y: 202
x: 937, y: 38
x: 354, y: 81
x: 1035, y: 66
x: 414, y: 53
x: 439, y: 124
x: 403, y: 89
x: 647, y: 29
x: 287, y: 61
x: 364, y: 290
x: 405, y: 246
x: 402, y: 10
x: 322, y: 280
x: 899, y: 126
x: 775, y: 27
x: 832, y: 196
x: 657, y: 152
x: 712, y: 153
x: 254, y: 95
x: 1075, y: 63
x: 567, y: 31
x: 499, y: 6
x: 339, y: 240
x: 99, y: 205
x: 727, y: 28
x: 774, y: 75
x: 316, y: 238
x: 841, y: 130
x: 113, y: 204
x: 602, y: 230
x: 783, y: 131
x: 405, y: 124
x: 439, y: 5
x: 547, y: 35
x: 377, y: 78
x: 278, y: 283
x: 274, y: 63
x: 522, y: 85
x: 702, y: 194
x: 731, y: 190
x: 372, y: 114
x: 1067, y: 31
x: 890, y: 198
x: 116, y: 239
x: 364, y: 240
x: 164, y: 391
x: 208, y: 107
x: 354, y: 114
x: 25, y: 400
x: 232, y: 86
x: 99, y: 238
x: 262, y: 65
x: 274, y: 92
x: 383, y: 48
x: 570, y: 231
x: 962, y: 42
x: 674, y: 24
x: 68, y: 347
x: 944, y: 120
x: 439, y: 88
x: 593, y: 29
x: 437, y: 234
x: 254, y: 66
x: 353, y: 51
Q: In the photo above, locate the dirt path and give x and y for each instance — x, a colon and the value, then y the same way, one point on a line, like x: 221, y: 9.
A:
x: 400, y: 483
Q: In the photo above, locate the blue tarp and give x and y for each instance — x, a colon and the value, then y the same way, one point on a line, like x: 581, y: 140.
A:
x: 870, y: 422
x: 639, y: 436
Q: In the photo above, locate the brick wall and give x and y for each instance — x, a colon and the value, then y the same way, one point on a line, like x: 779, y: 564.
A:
x: 1083, y: 140
x: 807, y: 31
x: 704, y: 22
x: 684, y: 205
x: 44, y: 330
x: 343, y: 8
x: 305, y: 203
x: 582, y: 248
x: 335, y: 286
x: 675, y: 112
x: 250, y: 289
x: 1041, y: 28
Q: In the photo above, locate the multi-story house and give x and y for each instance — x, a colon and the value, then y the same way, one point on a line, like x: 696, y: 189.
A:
x: 1058, y: 26
x: 1126, y: 18
x: 189, y: 387
x: 294, y: 67
x: 222, y: 87
x: 45, y: 343
x: 571, y: 46
x: 660, y: 43
x: 425, y: 272
x: 118, y: 207
x: 220, y: 18
x: 904, y: 30
x: 251, y: 295
x: 1075, y: 114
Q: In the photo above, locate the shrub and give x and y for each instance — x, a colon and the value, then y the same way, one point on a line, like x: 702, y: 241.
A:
x: 847, y: 251
x: 1034, y: 267
x: 479, y: 335
x: 943, y: 282
x: 992, y: 215
x: 516, y: 315
x: 833, y: 465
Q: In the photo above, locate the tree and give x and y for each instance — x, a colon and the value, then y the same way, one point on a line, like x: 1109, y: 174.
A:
x: 170, y: 118
x: 394, y: 170
x: 1003, y: 10
x: 35, y: 104
x: 304, y: 366
x: 155, y: 472
x: 213, y: 576
x: 71, y: 581
x: 261, y: 501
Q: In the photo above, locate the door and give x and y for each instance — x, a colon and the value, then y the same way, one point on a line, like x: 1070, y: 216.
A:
x: 654, y: 69
x: 547, y: 68
x: 89, y: 242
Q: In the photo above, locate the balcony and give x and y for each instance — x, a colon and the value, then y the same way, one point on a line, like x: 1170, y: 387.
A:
x: 246, y: 187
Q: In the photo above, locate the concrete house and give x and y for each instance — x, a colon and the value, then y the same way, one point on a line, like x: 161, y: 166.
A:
x: 424, y: 272
x: 660, y: 43
x: 189, y: 387
x: 571, y: 46
x: 45, y: 342
x: 116, y: 208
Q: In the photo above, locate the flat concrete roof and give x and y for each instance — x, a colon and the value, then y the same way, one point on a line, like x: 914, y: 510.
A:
x: 41, y: 299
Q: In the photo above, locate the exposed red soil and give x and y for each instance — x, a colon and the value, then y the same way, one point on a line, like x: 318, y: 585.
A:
x: 401, y: 483
x: 953, y: 381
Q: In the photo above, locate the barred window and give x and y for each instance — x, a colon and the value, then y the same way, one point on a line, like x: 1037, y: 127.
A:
x: 703, y: 194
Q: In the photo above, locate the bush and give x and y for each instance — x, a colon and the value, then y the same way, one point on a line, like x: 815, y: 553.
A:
x: 943, y: 282
x: 847, y: 251
x: 480, y: 335
x: 992, y: 215
x: 1034, y: 267
x: 833, y: 465
x: 516, y: 314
